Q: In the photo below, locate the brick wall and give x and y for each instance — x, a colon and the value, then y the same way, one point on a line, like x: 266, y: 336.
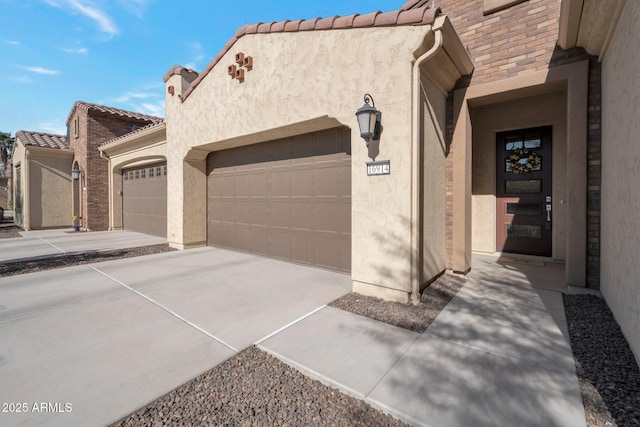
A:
x: 95, y: 129
x: 512, y: 42
x: 509, y: 42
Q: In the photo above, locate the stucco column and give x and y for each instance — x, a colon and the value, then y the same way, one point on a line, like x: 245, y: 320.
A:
x: 187, y: 188
x: 462, y: 167
x: 116, y: 199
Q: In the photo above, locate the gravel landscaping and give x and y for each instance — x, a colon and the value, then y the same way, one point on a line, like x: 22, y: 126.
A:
x: 607, y: 371
x: 408, y: 316
x: 10, y: 268
x: 254, y: 388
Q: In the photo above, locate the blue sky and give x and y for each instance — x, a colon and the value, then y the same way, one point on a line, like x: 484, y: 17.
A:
x: 115, y: 52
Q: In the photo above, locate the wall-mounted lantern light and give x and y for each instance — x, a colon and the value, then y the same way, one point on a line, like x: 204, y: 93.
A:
x: 75, y: 173
x: 369, y: 120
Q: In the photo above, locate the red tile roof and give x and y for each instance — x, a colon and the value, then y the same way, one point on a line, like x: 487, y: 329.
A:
x: 412, y: 13
x: 39, y: 139
x: 127, y: 135
x: 88, y: 107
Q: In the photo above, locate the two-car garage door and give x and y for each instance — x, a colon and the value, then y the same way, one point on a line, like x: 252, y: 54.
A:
x: 287, y: 199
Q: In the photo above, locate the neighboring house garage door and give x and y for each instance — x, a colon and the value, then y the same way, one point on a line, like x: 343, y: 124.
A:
x: 144, y: 199
x: 287, y: 199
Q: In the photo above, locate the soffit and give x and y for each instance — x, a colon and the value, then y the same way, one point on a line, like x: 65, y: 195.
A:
x: 589, y: 24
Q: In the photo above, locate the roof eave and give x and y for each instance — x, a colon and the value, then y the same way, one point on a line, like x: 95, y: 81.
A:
x: 153, y: 135
x: 589, y: 24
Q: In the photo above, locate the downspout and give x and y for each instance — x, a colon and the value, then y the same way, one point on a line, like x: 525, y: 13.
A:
x: 415, y: 167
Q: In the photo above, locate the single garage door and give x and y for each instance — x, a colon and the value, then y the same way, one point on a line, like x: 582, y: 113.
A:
x: 288, y: 199
x: 144, y: 199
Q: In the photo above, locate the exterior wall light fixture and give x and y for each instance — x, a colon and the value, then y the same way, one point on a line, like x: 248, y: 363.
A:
x: 369, y: 120
x: 75, y: 173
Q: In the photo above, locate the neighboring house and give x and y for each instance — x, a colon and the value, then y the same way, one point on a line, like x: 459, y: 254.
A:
x: 88, y: 126
x: 508, y: 125
x: 42, y: 174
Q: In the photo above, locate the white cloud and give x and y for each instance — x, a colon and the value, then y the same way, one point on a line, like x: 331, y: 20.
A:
x: 56, y: 127
x: 42, y: 70
x: 77, y: 50
x: 157, y: 109
x: 129, y: 96
x: 136, y: 7
x: 196, y: 54
x: 147, y: 99
x: 12, y: 42
x: 88, y: 9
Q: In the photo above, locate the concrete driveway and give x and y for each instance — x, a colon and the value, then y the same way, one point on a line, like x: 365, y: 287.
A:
x: 87, y: 345
x: 55, y: 242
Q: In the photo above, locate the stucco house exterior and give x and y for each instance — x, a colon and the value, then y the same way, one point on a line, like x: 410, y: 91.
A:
x: 41, y: 173
x: 506, y: 126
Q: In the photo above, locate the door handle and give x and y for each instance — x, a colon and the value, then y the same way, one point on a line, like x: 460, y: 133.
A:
x: 548, y: 209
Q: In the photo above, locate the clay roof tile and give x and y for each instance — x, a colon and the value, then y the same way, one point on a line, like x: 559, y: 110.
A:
x: 40, y: 139
x: 278, y: 27
x: 265, y: 28
x: 293, y: 25
x: 308, y: 24
x: 325, y: 23
x: 253, y: 28
x: 344, y: 21
x: 366, y: 20
x: 387, y: 18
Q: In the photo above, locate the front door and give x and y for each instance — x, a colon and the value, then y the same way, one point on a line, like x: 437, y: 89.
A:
x: 523, y: 191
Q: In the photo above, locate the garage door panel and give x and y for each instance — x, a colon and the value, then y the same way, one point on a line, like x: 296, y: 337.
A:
x: 327, y: 217
x: 281, y: 243
x: 280, y: 183
x: 302, y: 216
x: 281, y: 214
x: 294, y: 203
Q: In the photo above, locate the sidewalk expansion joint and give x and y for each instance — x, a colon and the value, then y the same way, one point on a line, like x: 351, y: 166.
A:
x: 167, y: 309
x: 52, y: 245
x: 288, y: 325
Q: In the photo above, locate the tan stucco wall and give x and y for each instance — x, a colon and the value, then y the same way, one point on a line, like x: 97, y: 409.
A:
x: 434, y: 149
x: 301, y: 82
x: 50, y: 191
x: 45, y: 185
x: 523, y: 113
x: 620, y: 250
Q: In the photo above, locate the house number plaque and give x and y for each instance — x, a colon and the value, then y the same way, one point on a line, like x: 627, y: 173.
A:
x: 380, y: 167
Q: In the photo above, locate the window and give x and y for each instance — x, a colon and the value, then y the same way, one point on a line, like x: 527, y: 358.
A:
x: 158, y: 171
x: 150, y: 172
x: 137, y: 174
x: 76, y: 127
x: 491, y: 6
x: 165, y: 170
x: 143, y: 173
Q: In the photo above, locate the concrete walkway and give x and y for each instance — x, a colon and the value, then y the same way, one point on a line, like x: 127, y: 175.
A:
x: 498, y: 355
